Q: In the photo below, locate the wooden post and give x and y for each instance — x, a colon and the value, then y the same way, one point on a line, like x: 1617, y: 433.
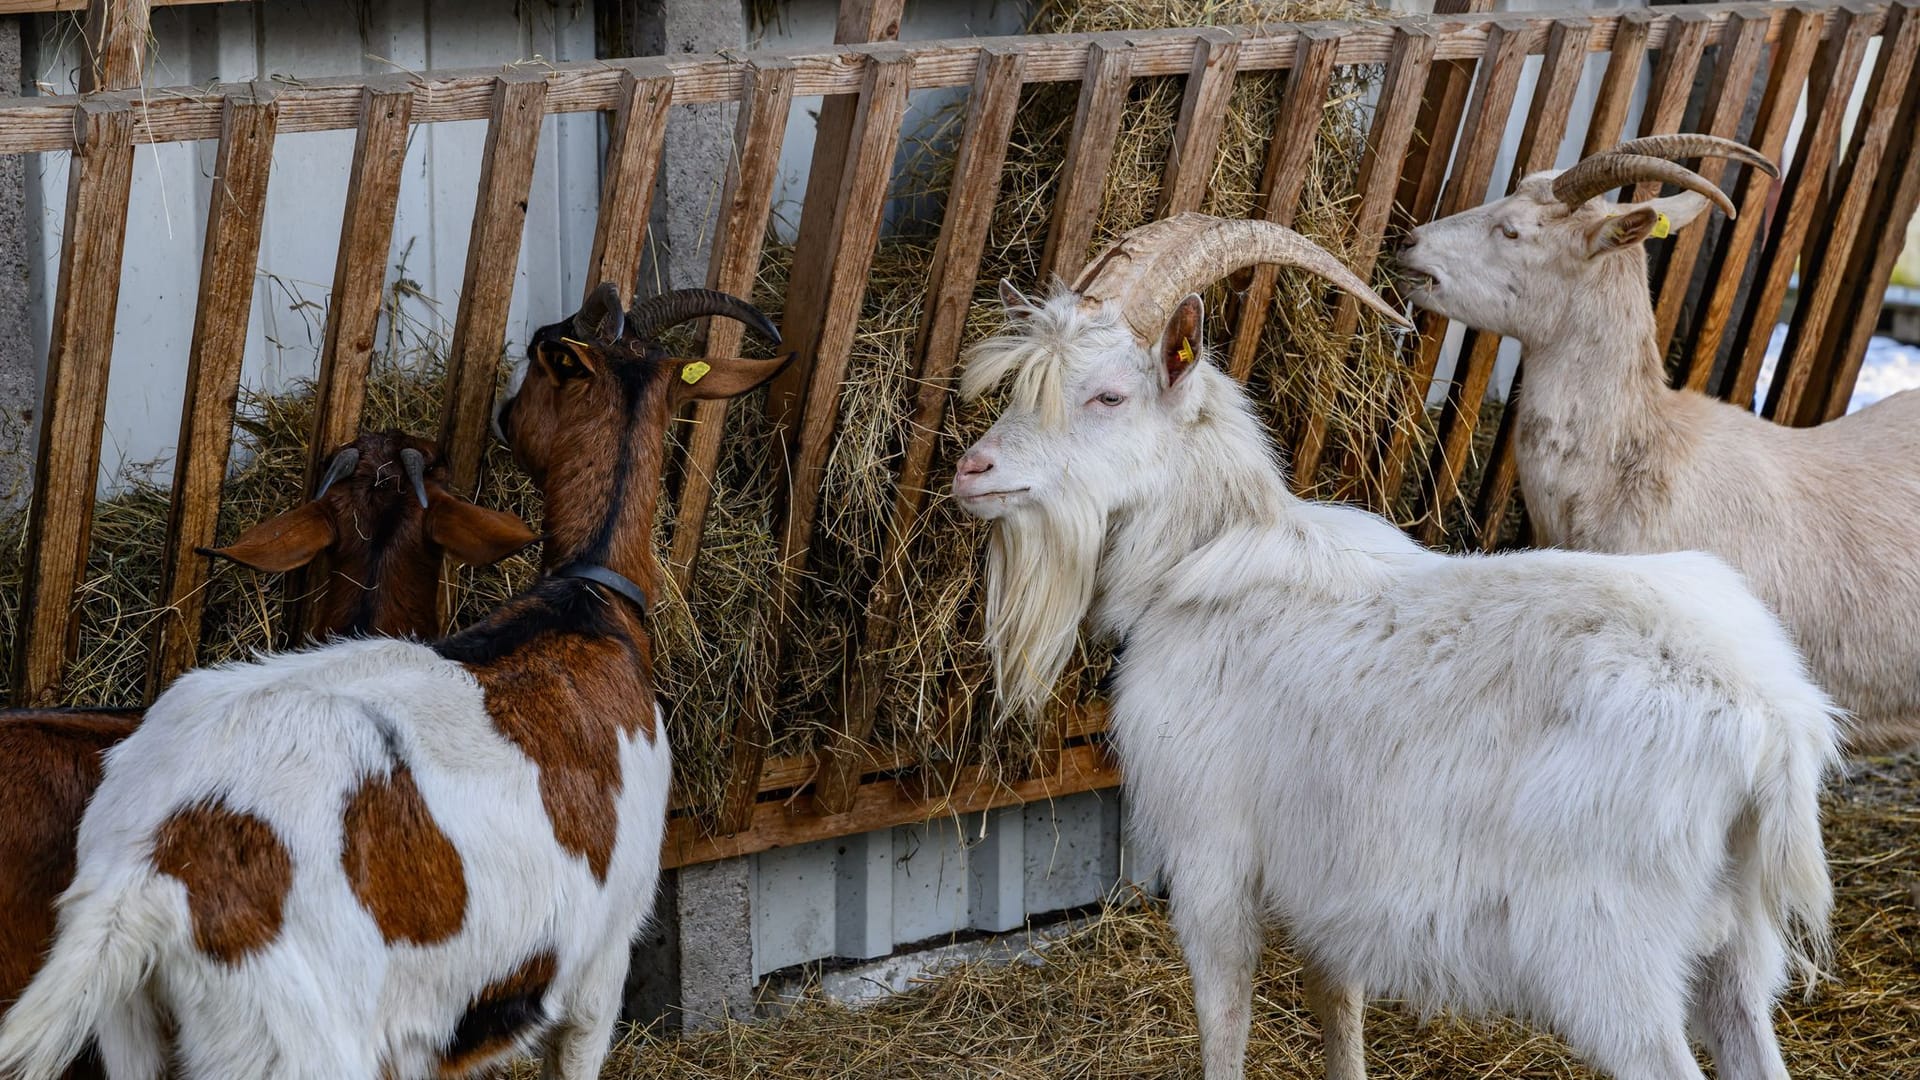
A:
x: 115, y: 44
x: 353, y: 309
x: 227, y: 269
x: 1083, y: 176
x: 1203, y: 114
x: 73, y: 407
x: 956, y: 263
x: 633, y: 167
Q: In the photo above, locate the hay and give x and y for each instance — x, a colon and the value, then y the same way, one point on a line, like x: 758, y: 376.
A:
x: 1111, y: 999
x: 711, y: 642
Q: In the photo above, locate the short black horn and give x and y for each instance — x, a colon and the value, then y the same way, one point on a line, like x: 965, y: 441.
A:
x: 651, y: 316
x: 339, y: 469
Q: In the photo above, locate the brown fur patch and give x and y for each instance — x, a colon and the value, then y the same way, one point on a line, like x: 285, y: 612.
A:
x: 237, y: 874
x: 52, y: 761
x: 564, y: 699
x: 401, y: 866
x: 500, y: 1015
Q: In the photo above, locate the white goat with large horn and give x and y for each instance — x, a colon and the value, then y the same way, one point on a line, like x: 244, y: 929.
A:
x: 1823, y: 521
x: 1580, y: 789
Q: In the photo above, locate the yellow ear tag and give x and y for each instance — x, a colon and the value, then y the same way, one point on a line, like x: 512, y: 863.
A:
x: 1186, y: 351
x: 1662, y: 227
x: 695, y: 371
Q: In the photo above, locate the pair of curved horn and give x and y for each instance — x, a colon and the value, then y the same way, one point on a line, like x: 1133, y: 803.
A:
x: 1147, y: 272
x: 649, y: 317
x: 1653, y: 159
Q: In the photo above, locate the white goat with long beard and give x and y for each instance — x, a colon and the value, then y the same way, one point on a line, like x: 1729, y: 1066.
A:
x: 1575, y: 788
x: 1823, y: 521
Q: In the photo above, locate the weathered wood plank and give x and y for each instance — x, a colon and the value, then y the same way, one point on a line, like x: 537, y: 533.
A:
x: 235, y: 211
x: 1821, y: 278
x: 73, y: 401
x: 37, y: 7
x: 1615, y: 97
x: 1835, y: 72
x: 114, y: 44
x: 1870, y: 265
x: 1497, y: 85
x: 1378, y: 183
x: 1083, y: 176
x: 493, y: 257
x: 1727, y: 95
x: 1792, y: 60
x: 1437, y: 130
x: 637, y: 135
x: 353, y: 308
x: 855, y: 232
x: 1203, y: 115
x: 991, y: 111
x: 1679, y: 60
x: 1296, y: 130
x: 732, y: 266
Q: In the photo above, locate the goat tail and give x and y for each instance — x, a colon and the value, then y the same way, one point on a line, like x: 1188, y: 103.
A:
x: 1789, y: 863
x: 97, y: 970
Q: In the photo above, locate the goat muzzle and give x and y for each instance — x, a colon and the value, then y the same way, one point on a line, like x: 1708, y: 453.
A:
x: 1653, y: 159
x: 1146, y: 272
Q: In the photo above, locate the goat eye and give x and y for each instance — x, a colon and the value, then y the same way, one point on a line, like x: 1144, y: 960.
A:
x: 1509, y: 232
x: 1110, y: 399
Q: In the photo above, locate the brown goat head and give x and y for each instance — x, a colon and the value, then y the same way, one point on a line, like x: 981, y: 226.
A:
x: 384, y: 518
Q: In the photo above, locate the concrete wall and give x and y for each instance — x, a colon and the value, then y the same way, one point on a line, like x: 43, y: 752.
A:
x: 18, y: 364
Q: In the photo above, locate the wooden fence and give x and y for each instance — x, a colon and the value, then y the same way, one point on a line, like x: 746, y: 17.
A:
x: 1449, y: 86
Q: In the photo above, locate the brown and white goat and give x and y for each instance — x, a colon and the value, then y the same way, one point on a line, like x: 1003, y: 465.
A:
x: 387, y: 859
x: 1823, y: 521
x: 383, y: 517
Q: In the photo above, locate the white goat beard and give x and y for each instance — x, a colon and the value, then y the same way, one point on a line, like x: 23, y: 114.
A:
x: 1040, y: 578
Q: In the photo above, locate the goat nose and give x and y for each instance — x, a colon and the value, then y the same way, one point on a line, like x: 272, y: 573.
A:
x: 1412, y: 240
x: 975, y: 463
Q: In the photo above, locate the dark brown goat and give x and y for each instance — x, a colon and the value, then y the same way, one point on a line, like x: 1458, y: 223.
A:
x: 383, y: 519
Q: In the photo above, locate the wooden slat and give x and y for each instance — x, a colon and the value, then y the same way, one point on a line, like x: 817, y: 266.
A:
x: 633, y: 165
x: 1727, y: 96
x: 1835, y: 72
x: 1296, y: 130
x: 856, y: 230
x: 353, y: 309
x: 1497, y: 85
x: 883, y: 804
x: 1820, y: 282
x: 493, y: 258
x: 73, y: 401
x: 1083, y: 176
x: 1438, y: 127
x: 1615, y: 97
x: 235, y: 210
x: 732, y: 267
x: 1378, y: 183
x: 858, y: 21
x: 1681, y: 40
x: 1203, y: 115
x: 1792, y: 60
x: 34, y: 7
x: 1870, y: 265
x: 956, y: 264
x: 114, y: 44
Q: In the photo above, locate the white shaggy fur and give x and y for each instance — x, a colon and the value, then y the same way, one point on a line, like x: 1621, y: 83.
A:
x: 1575, y: 788
x: 1823, y: 521
x: 289, y: 738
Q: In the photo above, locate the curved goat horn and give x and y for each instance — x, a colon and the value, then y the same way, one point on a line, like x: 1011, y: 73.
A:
x: 672, y: 308
x: 1602, y: 173
x: 1147, y: 271
x: 1693, y: 145
x: 416, y: 465
x: 339, y: 469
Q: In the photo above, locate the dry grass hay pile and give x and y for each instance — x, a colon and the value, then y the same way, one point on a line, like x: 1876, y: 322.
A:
x: 1111, y: 1000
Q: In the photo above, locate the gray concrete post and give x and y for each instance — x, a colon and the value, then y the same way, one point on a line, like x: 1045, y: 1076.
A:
x: 19, y: 375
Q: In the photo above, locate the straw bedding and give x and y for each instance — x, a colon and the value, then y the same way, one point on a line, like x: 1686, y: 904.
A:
x: 712, y: 642
x: 1111, y: 999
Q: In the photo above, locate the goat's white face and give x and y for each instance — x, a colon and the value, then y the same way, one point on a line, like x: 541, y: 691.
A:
x: 1089, y: 412
x: 1512, y: 266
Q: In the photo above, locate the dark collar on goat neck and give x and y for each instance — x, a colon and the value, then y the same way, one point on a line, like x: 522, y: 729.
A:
x: 619, y: 584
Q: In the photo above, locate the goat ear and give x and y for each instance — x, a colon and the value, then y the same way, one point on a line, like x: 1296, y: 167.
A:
x: 1013, y: 301
x: 1622, y: 230
x: 282, y: 543
x: 1681, y: 209
x: 1180, y: 345
x: 473, y: 534
x: 568, y: 358
x: 602, y: 317
x: 720, y: 378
